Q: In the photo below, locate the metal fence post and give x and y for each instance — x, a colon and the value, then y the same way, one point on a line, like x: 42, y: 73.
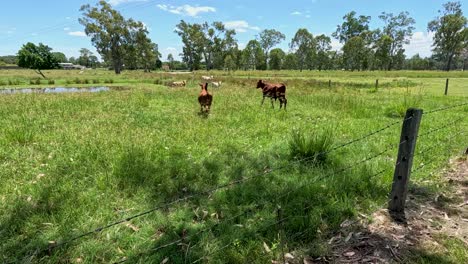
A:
x: 401, y: 176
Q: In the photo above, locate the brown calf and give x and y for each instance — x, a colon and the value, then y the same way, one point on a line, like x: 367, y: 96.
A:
x: 204, y: 98
x: 274, y: 91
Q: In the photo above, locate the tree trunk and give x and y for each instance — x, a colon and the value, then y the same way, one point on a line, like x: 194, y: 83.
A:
x: 39, y: 72
x: 117, y: 66
x: 449, y: 63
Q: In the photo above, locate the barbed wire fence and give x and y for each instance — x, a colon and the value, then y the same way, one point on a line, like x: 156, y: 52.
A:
x: 263, y: 204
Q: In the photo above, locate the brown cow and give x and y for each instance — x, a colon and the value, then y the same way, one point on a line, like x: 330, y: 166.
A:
x: 274, y: 91
x: 204, y: 98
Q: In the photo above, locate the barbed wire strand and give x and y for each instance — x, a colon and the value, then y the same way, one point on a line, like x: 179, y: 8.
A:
x: 444, y: 108
x: 299, y: 234
x: 223, y: 186
x: 283, y: 195
x: 433, y: 157
x: 441, y: 127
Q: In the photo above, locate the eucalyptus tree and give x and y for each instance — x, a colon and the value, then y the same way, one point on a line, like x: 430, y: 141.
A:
x: 193, y: 40
x: 277, y: 57
x: 253, y: 56
x: 269, y: 38
x: 323, y: 46
x: 352, y: 26
x: 109, y: 32
x: 396, y: 32
x: 450, y: 32
x: 304, y: 46
x: 144, y: 52
x: 354, y: 32
x: 60, y: 57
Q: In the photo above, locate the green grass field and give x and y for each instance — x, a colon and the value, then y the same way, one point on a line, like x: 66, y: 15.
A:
x: 70, y: 163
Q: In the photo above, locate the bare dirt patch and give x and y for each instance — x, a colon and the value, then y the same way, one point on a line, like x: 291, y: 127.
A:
x: 430, y: 219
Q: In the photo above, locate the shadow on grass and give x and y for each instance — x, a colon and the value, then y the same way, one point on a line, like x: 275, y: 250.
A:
x: 22, y: 227
x: 240, y: 218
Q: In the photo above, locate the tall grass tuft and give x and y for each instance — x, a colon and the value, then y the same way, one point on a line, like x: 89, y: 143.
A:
x: 51, y: 81
x: 21, y: 134
x: 311, y: 147
x: 34, y: 81
x: 13, y: 82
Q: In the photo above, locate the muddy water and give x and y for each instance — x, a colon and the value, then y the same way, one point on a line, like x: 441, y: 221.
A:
x: 60, y: 90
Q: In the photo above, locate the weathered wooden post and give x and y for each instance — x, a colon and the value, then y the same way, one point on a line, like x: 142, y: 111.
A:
x: 279, y: 216
x: 329, y: 83
x: 376, y: 83
x: 446, y: 86
x: 401, y: 176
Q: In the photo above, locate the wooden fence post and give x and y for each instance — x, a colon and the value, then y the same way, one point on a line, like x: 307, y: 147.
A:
x: 329, y: 83
x: 376, y: 83
x: 279, y: 216
x: 446, y: 86
x: 401, y: 176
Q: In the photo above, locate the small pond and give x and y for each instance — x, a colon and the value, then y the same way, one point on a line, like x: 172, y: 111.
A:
x: 60, y: 90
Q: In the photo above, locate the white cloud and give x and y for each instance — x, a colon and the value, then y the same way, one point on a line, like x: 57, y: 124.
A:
x: 336, y: 45
x: 420, y: 43
x: 170, y: 50
x: 146, y: 26
x: 118, y: 2
x: 77, y: 33
x: 7, y: 30
x: 296, y: 13
x: 187, y: 10
x: 240, y: 26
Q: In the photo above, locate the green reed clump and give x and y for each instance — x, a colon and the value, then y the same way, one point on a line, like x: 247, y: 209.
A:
x: 313, y: 147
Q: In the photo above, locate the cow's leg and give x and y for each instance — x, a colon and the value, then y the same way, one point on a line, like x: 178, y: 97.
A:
x: 263, y: 100
x: 285, y: 102
x: 272, y: 103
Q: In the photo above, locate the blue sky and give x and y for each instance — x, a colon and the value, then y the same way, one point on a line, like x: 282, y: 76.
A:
x: 55, y: 23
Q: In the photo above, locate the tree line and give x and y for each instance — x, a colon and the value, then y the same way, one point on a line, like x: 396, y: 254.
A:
x: 125, y: 44
x: 213, y: 47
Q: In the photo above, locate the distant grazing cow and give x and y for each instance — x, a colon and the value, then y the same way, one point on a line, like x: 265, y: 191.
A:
x: 274, y: 91
x: 207, y: 78
x: 178, y: 84
x: 204, y: 98
x: 216, y: 84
